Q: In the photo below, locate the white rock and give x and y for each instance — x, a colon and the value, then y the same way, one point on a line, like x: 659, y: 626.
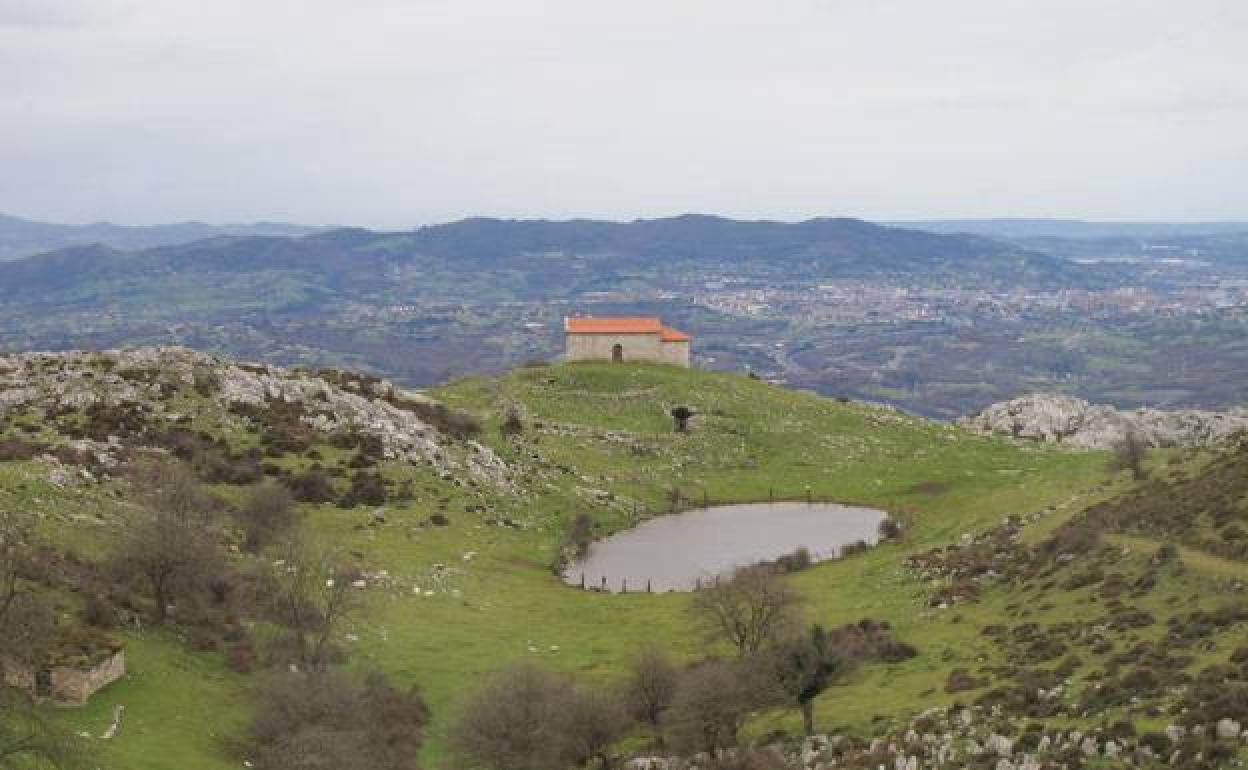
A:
x: 1056, y: 418
x: 1228, y: 728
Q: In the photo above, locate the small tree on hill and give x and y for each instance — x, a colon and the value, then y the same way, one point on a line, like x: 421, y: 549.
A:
x: 1129, y: 454
x: 711, y: 704
x: 324, y: 719
x: 751, y: 608
x: 171, y: 544
x: 512, y: 424
x: 266, y: 514
x: 681, y: 415
x: 802, y: 666
x: 309, y: 593
x: 513, y: 721
x: 651, y: 685
x: 27, y: 624
x: 590, y: 722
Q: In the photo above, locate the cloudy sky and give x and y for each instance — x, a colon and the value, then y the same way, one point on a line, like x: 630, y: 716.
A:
x: 394, y: 113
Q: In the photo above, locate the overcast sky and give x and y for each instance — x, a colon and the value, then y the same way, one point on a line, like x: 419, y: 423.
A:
x: 393, y: 113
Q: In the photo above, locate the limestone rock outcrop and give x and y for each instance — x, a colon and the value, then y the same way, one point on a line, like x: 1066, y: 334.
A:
x: 158, y: 382
x: 1056, y: 418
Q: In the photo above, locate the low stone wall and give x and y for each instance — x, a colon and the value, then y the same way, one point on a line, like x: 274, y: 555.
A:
x: 68, y: 685
x: 75, y: 685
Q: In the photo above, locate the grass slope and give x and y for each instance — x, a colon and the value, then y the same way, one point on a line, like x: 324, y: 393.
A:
x: 598, y: 440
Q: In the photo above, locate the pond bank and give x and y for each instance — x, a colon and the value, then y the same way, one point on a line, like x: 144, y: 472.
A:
x: 679, y: 551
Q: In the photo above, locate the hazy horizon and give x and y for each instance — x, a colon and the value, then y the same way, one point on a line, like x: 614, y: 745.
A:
x: 390, y: 115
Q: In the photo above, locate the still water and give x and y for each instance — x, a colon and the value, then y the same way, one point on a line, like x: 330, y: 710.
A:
x: 675, y: 551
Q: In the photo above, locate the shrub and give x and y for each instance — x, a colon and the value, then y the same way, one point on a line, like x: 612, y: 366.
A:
x: 793, y: 562
x: 960, y: 680
x: 311, y: 486
x: 12, y: 450
x: 512, y: 425
x: 100, y: 612
x: 855, y: 548
x: 452, y: 422
x: 266, y: 514
x: 513, y: 721
x: 366, y: 489
x: 207, y: 382
x: 325, y: 719
x: 709, y: 708
x: 202, y: 640
x: 890, y: 529
x: 240, y: 656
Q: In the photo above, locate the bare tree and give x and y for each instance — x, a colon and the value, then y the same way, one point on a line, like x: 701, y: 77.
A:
x: 266, y: 514
x: 803, y: 666
x: 171, y: 544
x: 711, y: 704
x: 1129, y: 454
x: 651, y: 685
x: 324, y: 719
x: 27, y: 632
x: 513, y: 722
x: 749, y: 609
x: 27, y: 625
x: 590, y: 721
x: 309, y: 593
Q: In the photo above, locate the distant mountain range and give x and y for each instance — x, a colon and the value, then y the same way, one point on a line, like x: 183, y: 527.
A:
x: 1072, y: 228
x: 481, y: 258
x: 23, y: 237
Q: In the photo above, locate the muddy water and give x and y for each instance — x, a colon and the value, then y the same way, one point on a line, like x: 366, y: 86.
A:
x: 674, y: 552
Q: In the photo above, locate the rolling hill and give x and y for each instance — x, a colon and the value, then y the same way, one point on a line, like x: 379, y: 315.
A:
x: 21, y: 238
x: 1002, y: 583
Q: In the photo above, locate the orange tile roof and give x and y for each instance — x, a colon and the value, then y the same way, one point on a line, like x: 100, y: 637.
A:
x: 612, y: 326
x: 671, y: 335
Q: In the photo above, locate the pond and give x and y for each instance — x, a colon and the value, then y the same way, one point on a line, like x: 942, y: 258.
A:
x: 674, y: 552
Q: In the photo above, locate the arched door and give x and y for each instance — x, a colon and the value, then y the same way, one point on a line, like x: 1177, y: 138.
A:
x: 617, y: 352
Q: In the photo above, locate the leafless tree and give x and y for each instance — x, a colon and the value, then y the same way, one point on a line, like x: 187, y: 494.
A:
x: 324, y: 719
x: 266, y: 514
x: 651, y: 685
x: 309, y: 593
x: 526, y: 718
x: 749, y: 609
x: 711, y: 704
x: 27, y: 631
x: 513, y: 721
x: 27, y: 624
x: 1129, y: 454
x: 802, y: 666
x: 172, y: 543
x: 590, y: 721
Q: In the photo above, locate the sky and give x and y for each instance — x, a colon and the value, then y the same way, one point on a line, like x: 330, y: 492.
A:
x: 390, y: 113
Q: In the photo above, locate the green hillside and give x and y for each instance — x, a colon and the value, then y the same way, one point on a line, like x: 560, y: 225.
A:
x: 446, y: 604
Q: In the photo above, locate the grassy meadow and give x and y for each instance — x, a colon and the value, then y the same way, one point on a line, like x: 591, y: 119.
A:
x: 452, y: 603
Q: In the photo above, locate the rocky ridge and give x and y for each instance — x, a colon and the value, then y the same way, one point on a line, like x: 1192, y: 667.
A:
x: 152, y: 381
x: 1061, y: 419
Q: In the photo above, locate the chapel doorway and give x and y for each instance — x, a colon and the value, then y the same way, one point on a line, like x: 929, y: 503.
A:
x: 617, y: 353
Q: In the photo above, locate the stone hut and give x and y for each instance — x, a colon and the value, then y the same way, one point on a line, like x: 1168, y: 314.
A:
x: 78, y: 668
x: 624, y: 339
